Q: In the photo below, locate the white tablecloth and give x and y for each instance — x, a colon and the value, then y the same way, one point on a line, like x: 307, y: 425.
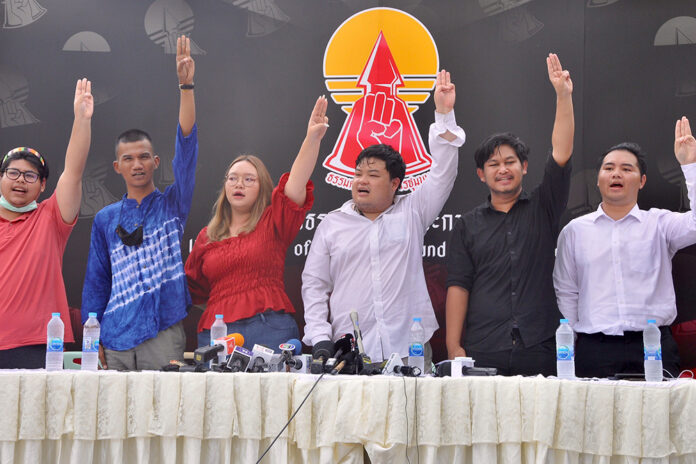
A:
x: 152, y: 417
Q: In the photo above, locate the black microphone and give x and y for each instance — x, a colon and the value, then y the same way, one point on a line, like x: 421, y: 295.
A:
x: 407, y: 371
x: 206, y: 353
x: 321, y: 351
x: 343, y: 345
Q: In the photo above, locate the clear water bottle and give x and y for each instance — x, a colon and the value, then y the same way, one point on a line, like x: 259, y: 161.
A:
x: 416, y: 351
x: 565, y: 351
x: 90, y: 343
x: 55, y: 333
x: 652, y: 351
x: 218, y: 330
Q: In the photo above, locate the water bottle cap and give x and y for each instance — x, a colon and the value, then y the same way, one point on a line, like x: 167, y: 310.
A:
x: 652, y: 321
x: 93, y: 315
x: 55, y: 314
x: 416, y: 319
x: 564, y: 321
x: 219, y: 316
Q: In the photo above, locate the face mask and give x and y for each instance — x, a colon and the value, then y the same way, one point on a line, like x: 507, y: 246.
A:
x: 23, y: 209
x: 134, y: 238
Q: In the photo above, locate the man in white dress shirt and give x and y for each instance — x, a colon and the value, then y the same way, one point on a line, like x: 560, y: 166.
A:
x: 613, y: 267
x: 367, y: 255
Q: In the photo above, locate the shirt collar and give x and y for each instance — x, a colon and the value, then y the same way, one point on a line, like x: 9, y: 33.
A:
x: 349, y: 207
x: 524, y: 196
x: 635, y: 213
x: 131, y: 203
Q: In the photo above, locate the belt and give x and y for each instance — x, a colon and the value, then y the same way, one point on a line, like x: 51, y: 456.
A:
x: 629, y: 335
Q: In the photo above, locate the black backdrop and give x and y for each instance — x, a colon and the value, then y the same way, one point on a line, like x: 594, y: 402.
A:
x: 259, y: 71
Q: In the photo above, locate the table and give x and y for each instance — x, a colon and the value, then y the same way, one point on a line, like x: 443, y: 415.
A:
x: 151, y: 417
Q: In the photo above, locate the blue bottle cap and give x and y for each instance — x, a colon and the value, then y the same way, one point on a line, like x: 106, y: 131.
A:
x: 93, y: 315
x: 652, y: 321
x: 55, y: 314
x: 564, y: 321
x: 416, y: 319
x: 219, y: 316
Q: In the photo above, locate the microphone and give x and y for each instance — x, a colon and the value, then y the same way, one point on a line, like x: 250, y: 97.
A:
x: 343, y: 345
x: 261, y: 360
x: 288, y: 349
x: 206, y: 353
x: 321, y: 351
x: 358, y: 338
x: 407, y: 371
x: 338, y: 368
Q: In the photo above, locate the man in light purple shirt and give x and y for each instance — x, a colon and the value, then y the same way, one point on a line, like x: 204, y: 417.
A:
x: 613, y: 267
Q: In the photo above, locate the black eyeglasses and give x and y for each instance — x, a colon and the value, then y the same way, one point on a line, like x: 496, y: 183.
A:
x: 29, y: 176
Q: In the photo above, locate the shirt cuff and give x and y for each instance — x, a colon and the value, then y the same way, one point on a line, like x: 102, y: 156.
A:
x: 689, y: 171
x: 447, y: 122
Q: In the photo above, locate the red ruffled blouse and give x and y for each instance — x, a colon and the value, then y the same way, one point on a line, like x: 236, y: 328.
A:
x: 243, y: 276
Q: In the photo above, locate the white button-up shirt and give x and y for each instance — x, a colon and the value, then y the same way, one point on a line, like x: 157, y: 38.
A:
x: 376, y: 267
x: 612, y: 276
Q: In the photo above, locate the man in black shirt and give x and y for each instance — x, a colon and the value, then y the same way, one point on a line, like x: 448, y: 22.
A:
x: 501, y: 306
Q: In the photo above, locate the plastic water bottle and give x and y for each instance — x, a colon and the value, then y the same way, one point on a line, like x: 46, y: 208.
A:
x: 565, y: 351
x: 652, y: 351
x: 416, y: 351
x: 218, y: 330
x: 55, y: 333
x: 90, y: 343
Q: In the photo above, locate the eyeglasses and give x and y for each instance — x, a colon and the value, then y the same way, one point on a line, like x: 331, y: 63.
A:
x: 29, y: 176
x: 247, y: 181
x: 19, y: 150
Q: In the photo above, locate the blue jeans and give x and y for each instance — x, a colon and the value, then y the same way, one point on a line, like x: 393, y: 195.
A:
x: 269, y: 329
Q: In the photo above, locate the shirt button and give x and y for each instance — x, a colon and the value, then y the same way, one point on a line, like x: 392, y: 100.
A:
x: 514, y: 293
x: 509, y: 233
x: 512, y: 252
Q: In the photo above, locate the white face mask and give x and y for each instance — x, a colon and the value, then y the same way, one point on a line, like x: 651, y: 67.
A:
x: 23, y: 209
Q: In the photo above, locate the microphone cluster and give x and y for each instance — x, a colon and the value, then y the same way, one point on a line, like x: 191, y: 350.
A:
x: 345, y: 356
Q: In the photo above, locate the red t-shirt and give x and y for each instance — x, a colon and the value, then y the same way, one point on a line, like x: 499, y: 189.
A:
x: 31, y: 277
x: 243, y: 276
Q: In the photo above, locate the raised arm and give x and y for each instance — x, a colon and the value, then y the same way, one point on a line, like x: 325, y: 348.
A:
x: 444, y: 98
x: 564, y: 125
x: 69, y: 188
x: 185, y: 69
x: 684, y: 142
x: 295, y: 188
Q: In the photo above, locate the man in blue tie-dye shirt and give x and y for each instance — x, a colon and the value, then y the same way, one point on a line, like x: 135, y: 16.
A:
x: 135, y: 279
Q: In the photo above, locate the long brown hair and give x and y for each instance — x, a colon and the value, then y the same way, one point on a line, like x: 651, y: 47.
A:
x: 219, y: 225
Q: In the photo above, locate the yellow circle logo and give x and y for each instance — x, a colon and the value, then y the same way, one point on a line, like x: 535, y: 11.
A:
x: 379, y: 65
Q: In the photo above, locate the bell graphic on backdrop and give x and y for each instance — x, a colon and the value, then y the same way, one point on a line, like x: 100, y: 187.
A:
x: 21, y: 13
x: 380, y: 65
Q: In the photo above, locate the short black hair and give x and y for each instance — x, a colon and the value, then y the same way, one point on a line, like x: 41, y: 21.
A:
x: 392, y: 159
x: 131, y: 135
x: 488, y: 147
x: 42, y: 168
x: 631, y: 147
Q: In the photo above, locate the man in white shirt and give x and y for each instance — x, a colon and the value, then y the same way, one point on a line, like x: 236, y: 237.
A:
x: 367, y: 255
x: 613, y: 267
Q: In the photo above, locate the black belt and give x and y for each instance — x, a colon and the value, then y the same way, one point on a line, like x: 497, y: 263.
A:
x: 628, y: 336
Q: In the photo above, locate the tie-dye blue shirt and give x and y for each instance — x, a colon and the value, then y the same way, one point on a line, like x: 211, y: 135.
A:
x: 139, y: 291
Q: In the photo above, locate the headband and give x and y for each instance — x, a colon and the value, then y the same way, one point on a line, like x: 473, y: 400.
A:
x: 24, y: 150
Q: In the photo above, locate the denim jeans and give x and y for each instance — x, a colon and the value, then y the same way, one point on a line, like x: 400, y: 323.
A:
x: 269, y: 329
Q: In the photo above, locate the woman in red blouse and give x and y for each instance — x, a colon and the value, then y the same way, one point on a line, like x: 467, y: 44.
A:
x: 237, y: 263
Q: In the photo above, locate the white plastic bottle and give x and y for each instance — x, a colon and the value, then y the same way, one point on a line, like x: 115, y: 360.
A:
x: 652, y: 351
x: 90, y: 343
x: 565, y: 351
x: 416, y: 351
x: 218, y: 330
x: 55, y: 332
